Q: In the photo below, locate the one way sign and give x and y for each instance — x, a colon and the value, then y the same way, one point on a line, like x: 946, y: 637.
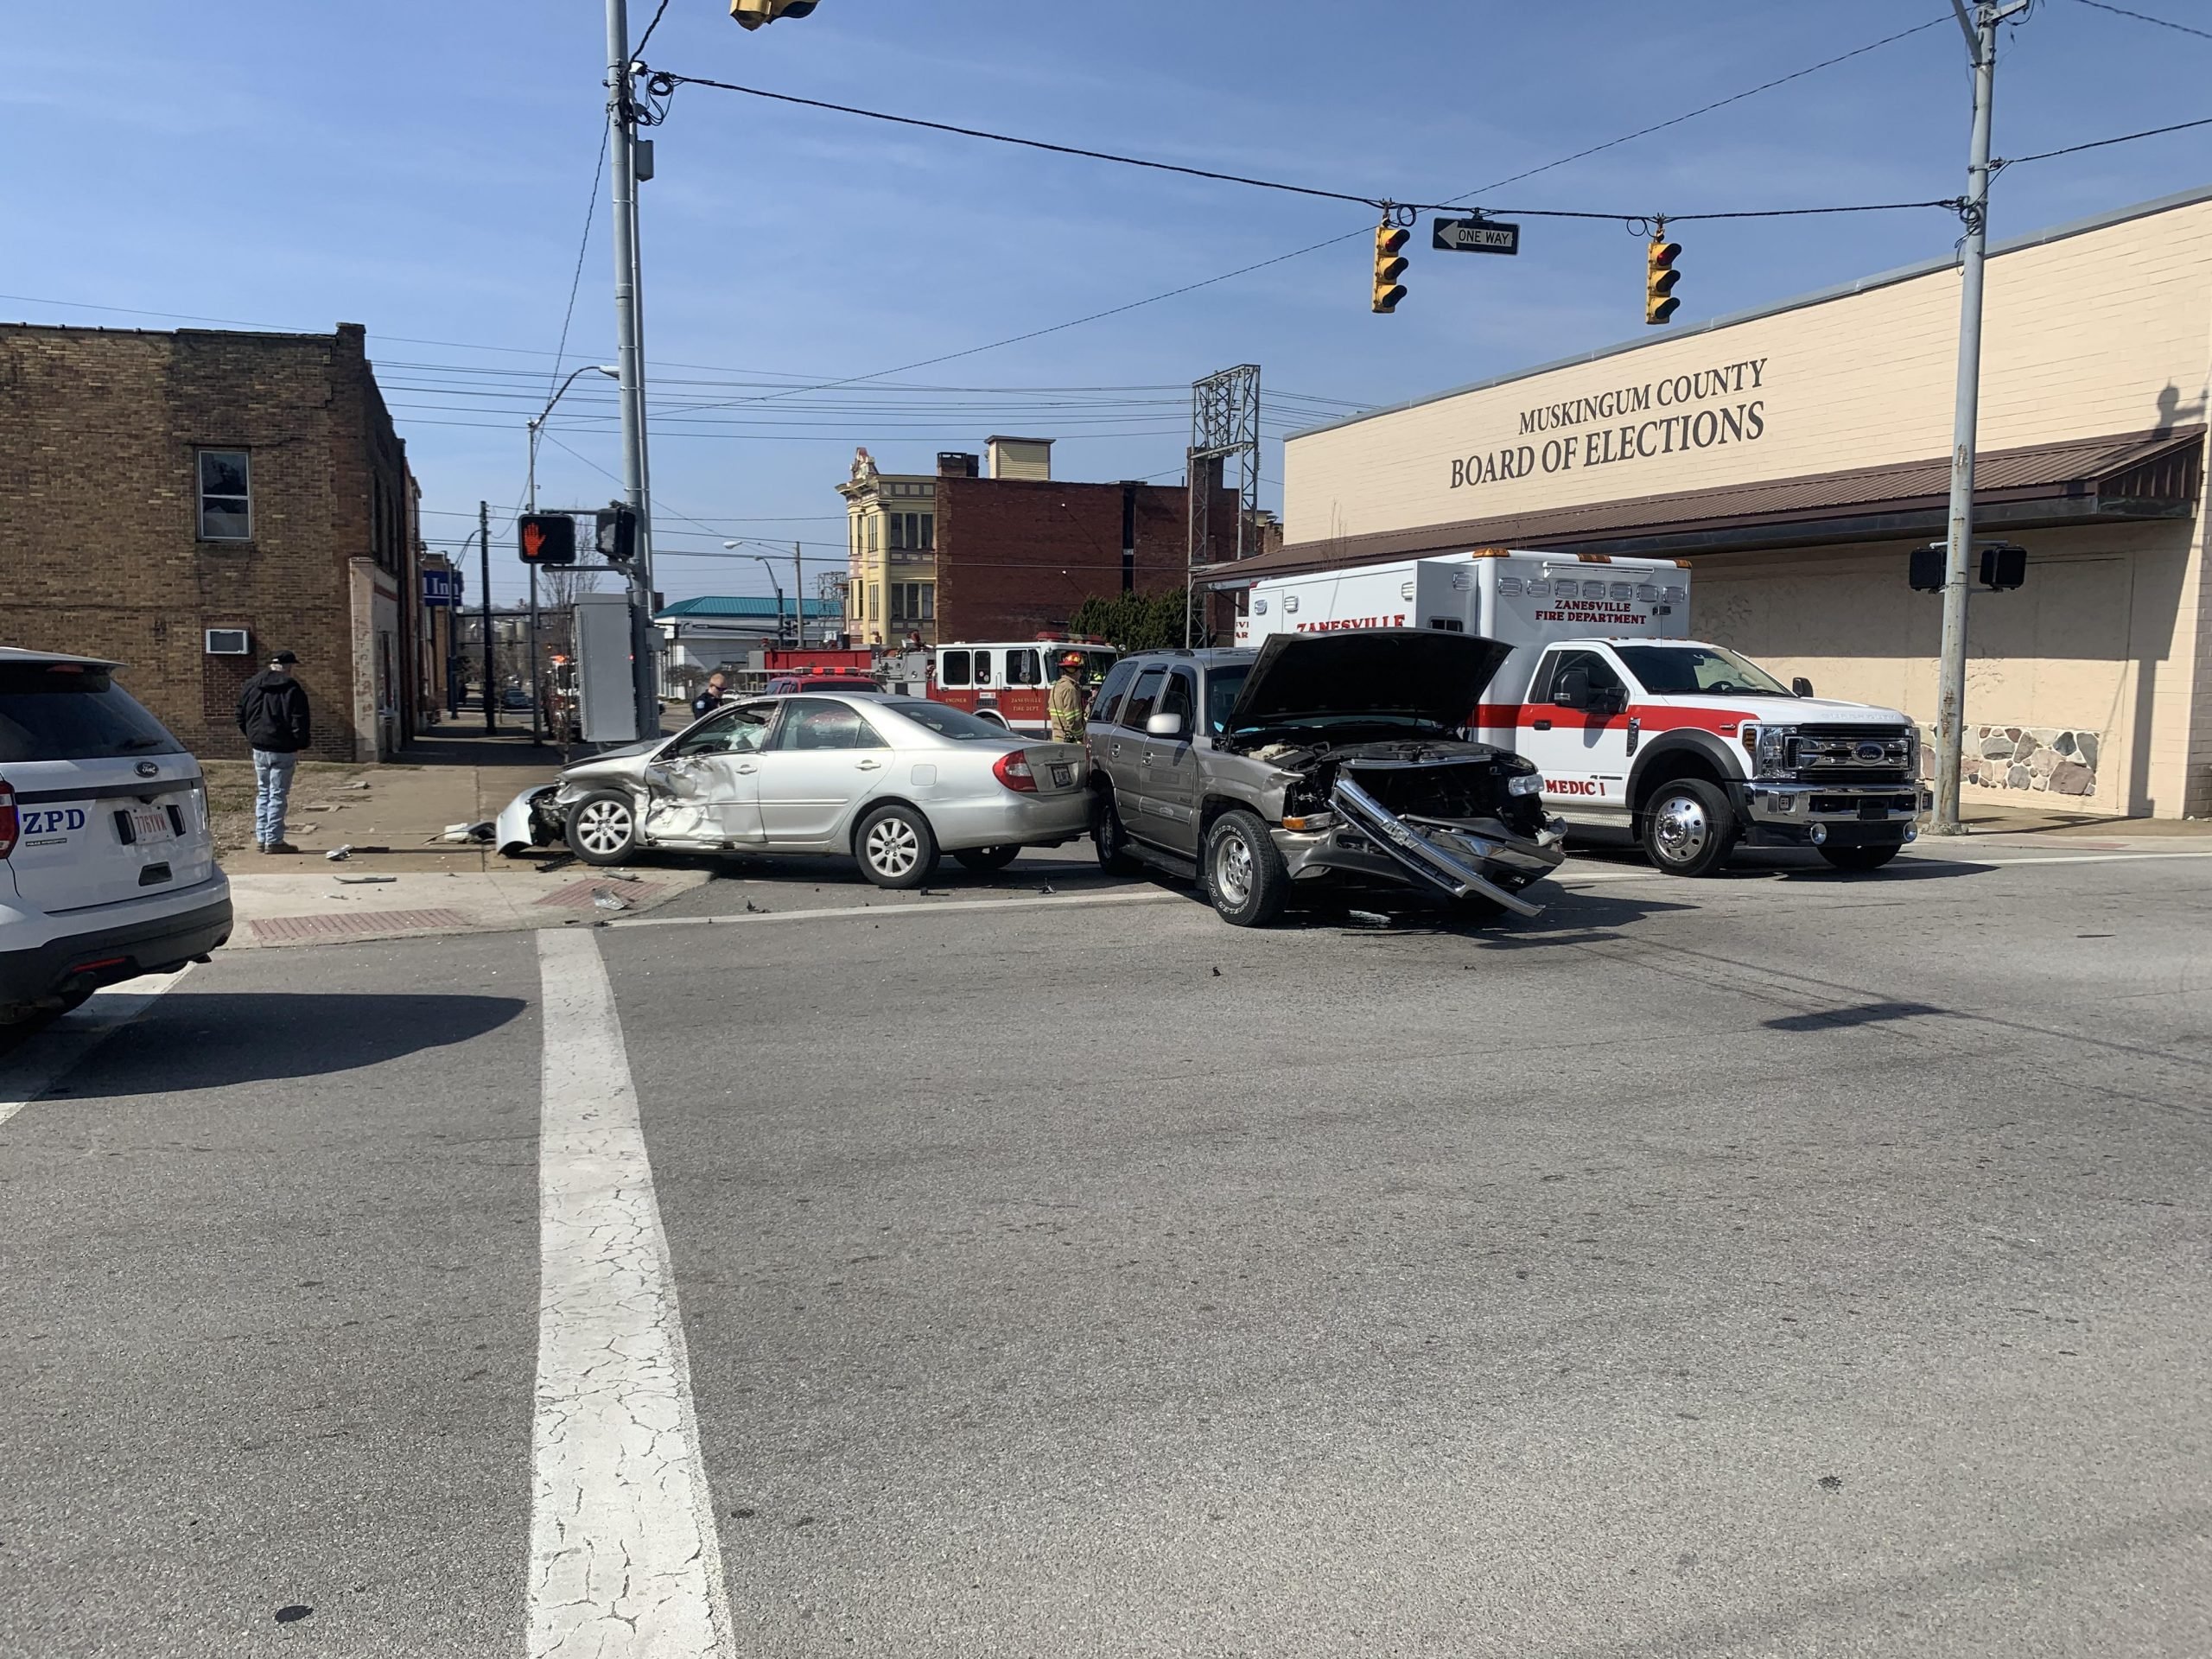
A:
x: 1477, y: 236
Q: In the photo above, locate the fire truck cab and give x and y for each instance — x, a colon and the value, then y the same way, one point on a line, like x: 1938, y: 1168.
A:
x: 1010, y: 681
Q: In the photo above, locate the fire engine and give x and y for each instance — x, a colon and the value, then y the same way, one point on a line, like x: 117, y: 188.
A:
x: 1642, y: 732
x: 1010, y: 681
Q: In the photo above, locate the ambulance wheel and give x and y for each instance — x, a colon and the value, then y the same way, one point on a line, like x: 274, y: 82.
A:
x: 1689, y: 828
x: 1243, y: 871
x: 895, y: 847
x: 1111, y: 839
x: 984, y: 860
x: 1858, y: 860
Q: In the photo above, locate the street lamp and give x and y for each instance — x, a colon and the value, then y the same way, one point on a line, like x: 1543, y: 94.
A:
x: 762, y: 559
x: 536, y: 426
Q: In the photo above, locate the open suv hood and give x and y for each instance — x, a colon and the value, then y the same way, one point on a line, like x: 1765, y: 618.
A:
x: 1425, y: 673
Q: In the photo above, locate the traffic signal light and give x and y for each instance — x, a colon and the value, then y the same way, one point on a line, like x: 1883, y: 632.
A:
x: 1389, y: 265
x: 548, y: 538
x: 1659, y: 280
x: 615, y: 532
x: 751, y: 14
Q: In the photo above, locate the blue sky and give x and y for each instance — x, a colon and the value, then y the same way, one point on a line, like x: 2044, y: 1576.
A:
x: 425, y: 170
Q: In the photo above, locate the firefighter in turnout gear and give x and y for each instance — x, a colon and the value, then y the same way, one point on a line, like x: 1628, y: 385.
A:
x: 1064, y: 708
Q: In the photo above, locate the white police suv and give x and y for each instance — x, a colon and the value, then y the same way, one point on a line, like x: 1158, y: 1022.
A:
x: 107, y: 869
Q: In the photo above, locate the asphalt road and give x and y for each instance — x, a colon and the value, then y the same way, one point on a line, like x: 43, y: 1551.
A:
x: 1785, y: 1264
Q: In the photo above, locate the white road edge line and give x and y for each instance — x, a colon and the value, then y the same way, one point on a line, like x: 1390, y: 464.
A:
x: 924, y: 907
x: 53, y: 1054
x: 625, y: 1561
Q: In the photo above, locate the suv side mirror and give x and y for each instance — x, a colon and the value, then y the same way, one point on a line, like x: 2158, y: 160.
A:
x: 1801, y: 686
x: 1572, y: 689
x: 1164, y: 725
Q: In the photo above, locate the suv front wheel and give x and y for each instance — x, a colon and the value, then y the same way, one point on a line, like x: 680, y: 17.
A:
x: 1243, y: 872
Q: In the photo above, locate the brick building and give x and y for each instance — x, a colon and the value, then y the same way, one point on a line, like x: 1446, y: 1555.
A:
x: 189, y: 502
x: 1017, y: 551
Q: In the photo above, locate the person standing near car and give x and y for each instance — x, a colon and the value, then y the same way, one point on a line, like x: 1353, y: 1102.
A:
x: 1063, y: 707
x: 710, y: 697
x: 273, y: 715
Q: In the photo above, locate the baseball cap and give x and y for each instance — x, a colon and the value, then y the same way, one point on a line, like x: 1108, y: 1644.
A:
x: 284, y: 657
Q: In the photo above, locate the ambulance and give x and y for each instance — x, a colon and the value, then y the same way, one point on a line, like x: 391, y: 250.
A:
x: 1643, y: 733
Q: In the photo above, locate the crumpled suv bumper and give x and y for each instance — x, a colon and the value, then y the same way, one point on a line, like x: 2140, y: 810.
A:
x: 1456, y: 861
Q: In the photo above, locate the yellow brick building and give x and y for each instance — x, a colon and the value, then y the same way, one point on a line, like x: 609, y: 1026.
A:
x: 891, y: 555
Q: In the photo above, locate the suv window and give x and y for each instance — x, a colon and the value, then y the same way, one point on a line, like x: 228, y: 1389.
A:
x: 954, y: 669
x: 1602, y: 676
x: 813, y: 723
x: 1181, y: 697
x: 1143, y: 697
x: 1222, y: 687
x: 66, y: 711
x: 730, y: 731
x: 1117, y: 682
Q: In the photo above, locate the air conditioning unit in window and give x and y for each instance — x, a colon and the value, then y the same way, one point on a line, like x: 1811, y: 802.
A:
x: 229, y: 642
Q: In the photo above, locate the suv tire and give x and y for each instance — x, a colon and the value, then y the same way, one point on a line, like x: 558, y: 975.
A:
x: 895, y: 847
x: 1111, y: 839
x: 1243, y: 873
x: 1859, y: 861
x: 1688, y: 828
x: 602, y: 828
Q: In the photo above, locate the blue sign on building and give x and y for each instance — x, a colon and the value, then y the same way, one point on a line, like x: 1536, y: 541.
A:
x: 437, y: 587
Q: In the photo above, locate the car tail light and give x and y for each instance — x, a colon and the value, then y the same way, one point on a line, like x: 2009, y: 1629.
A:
x: 1012, y: 769
x: 11, y: 824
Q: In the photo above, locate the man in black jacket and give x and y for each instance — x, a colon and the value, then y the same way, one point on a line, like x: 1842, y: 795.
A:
x: 273, y: 715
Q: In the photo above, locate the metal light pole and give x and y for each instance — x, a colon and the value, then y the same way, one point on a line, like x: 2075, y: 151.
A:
x: 629, y: 329
x: 537, y: 425
x: 762, y: 560
x: 1981, y: 30
x: 484, y: 552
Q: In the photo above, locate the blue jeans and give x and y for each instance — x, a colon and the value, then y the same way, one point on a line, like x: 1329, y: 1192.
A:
x: 272, y: 792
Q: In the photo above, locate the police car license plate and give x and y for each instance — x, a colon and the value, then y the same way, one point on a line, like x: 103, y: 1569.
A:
x: 150, y: 823
x: 1063, y: 776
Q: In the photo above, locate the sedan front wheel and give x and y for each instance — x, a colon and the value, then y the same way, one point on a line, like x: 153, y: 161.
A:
x: 603, y: 828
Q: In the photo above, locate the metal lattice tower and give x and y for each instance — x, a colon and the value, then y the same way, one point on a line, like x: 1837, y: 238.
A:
x: 1225, y: 422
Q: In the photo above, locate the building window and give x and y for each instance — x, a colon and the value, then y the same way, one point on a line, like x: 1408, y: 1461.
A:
x: 871, y: 532
x: 913, y: 601
x: 913, y: 532
x: 226, y: 497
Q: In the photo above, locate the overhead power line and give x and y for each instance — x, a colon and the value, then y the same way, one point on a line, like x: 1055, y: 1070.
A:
x: 583, y: 246
x: 2146, y: 17
x: 2098, y: 143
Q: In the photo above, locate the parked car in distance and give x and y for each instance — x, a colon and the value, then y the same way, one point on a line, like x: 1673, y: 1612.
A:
x: 514, y: 697
x: 1321, y: 759
x: 892, y: 782
x: 107, y: 868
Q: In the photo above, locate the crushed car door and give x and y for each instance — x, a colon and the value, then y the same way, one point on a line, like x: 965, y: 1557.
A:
x: 825, y: 758
x: 706, y: 785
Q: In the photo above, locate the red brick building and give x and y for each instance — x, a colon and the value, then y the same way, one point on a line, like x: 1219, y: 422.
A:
x: 1017, y: 553
x: 187, y: 503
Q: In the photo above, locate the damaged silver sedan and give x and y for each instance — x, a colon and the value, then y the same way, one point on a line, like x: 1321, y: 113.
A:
x: 890, y: 782
x: 1328, y: 759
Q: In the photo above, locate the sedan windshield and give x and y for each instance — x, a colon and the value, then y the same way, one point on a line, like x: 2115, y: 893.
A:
x: 947, y: 722
x: 1688, y: 671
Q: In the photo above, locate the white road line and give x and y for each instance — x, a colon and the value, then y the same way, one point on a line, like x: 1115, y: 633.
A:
x: 53, y: 1054
x: 1572, y: 880
x: 924, y: 908
x: 625, y: 1563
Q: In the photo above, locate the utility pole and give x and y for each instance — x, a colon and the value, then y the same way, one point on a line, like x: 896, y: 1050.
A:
x: 629, y: 330
x: 1979, y: 27
x: 484, y: 553
x: 798, y: 596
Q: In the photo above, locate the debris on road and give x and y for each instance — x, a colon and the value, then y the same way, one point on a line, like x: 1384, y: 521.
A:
x: 607, y: 898
x: 339, y: 855
x: 359, y: 881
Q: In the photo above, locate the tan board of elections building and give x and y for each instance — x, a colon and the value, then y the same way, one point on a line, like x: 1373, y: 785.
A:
x: 1794, y: 455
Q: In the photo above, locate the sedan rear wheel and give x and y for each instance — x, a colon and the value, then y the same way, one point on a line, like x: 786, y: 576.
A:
x: 603, y: 828
x: 895, y: 848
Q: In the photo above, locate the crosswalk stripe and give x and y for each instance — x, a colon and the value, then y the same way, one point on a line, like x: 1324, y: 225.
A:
x: 625, y: 1559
